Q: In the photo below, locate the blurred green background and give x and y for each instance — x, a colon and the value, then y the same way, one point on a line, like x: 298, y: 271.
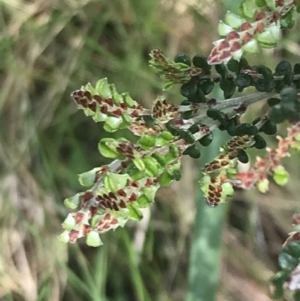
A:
x: 47, y: 50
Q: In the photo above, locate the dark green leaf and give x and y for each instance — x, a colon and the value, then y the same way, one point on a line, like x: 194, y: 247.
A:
x: 288, y: 78
x: 200, y: 61
x: 194, y: 128
x: 187, y: 136
x: 246, y: 129
x: 206, y: 140
x: 193, y: 151
x: 212, y: 113
x: 287, y: 261
x: 288, y: 20
x: 293, y: 248
x: 233, y: 65
x: 289, y: 95
x: 149, y: 121
x: 182, y: 58
x: 206, y: 86
x: 269, y: 128
x: 243, y: 156
x: 172, y: 128
x: 260, y: 142
x: 297, y: 65
x: 228, y: 87
x: 273, y: 101
x: 222, y: 70
x: 243, y: 80
x: 231, y: 130
x: 256, y: 120
x: 276, y: 114
x: 283, y: 67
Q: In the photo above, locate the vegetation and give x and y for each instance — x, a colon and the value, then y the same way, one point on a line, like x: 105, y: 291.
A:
x: 125, y: 188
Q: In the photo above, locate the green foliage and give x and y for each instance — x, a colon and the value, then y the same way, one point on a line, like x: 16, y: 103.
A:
x: 120, y: 190
x: 288, y: 260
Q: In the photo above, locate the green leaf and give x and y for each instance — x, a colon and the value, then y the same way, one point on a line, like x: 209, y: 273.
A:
x: 228, y: 87
x: 187, y: 136
x: 151, y: 166
x: 276, y: 114
x: 269, y: 128
x: 289, y: 95
x: 273, y: 101
x: 243, y: 80
x: 193, y: 151
x: 160, y: 159
x: 168, y: 84
x: 87, y: 179
x: 114, y: 182
x: 277, y: 280
x: 227, y: 190
x: 233, y: 20
x: 134, y: 212
x: 107, y: 148
x: 246, y: 129
x: 192, y: 92
x: 166, y: 135
x: 147, y: 141
x: 177, y: 174
x: 64, y: 237
x: 248, y: 8
x: 271, y: 4
x: 263, y: 186
x: 260, y: 3
x: 222, y: 70
x: 98, y: 116
x: 280, y: 176
x: 251, y: 46
x: 127, y: 120
x: 183, y: 58
x: 139, y: 163
x: 73, y: 202
x: 112, y: 124
x: 165, y: 179
x: 116, y: 97
x: 143, y: 201
x: 69, y: 223
x: 266, y: 39
x: 174, y: 150
x: 207, y: 139
x: 128, y: 100
x: 293, y: 248
x: 200, y: 61
x: 93, y: 239
x: 206, y: 86
x: 283, y: 67
x: 243, y: 156
x: 90, y: 88
x: 260, y: 142
x: 233, y: 65
x: 224, y: 29
x: 287, y: 21
x: 103, y: 88
x: 287, y: 261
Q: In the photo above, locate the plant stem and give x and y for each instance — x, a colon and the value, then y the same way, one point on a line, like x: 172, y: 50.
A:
x: 228, y: 103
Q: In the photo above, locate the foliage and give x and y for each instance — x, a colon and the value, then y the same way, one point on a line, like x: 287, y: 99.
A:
x: 119, y: 191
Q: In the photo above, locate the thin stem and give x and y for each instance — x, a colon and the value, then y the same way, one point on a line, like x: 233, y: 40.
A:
x: 233, y: 102
x: 253, y: 74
